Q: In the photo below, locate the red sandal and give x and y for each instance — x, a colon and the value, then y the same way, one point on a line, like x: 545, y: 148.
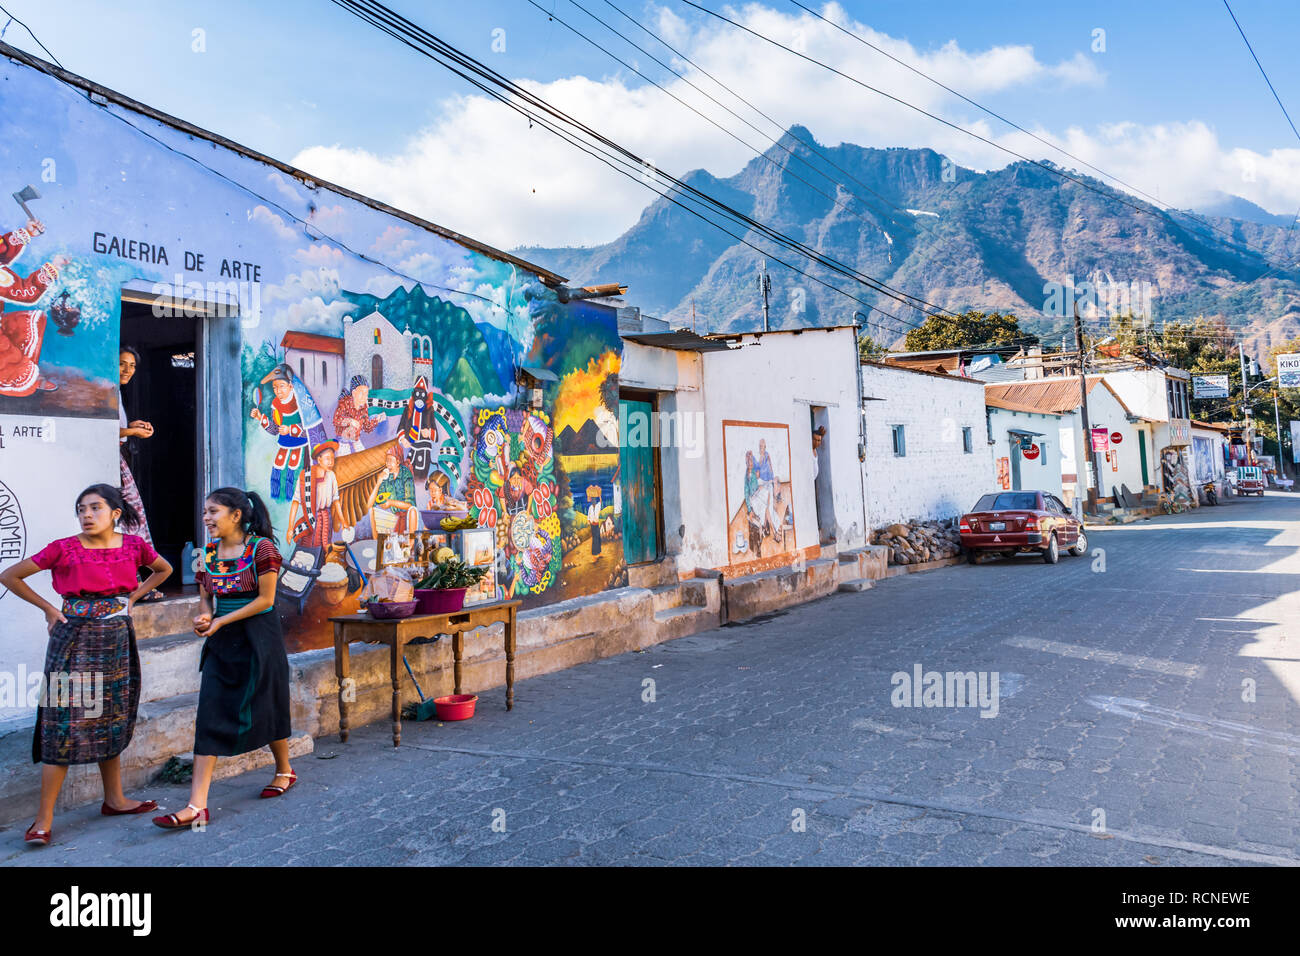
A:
x: 35, y: 837
x: 144, y: 807
x: 269, y: 792
x: 172, y: 822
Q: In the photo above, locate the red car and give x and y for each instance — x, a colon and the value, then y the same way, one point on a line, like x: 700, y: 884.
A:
x: 1011, y: 522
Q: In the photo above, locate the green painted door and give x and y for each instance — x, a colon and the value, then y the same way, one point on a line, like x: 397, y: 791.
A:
x: 639, y: 488
x: 1142, y: 451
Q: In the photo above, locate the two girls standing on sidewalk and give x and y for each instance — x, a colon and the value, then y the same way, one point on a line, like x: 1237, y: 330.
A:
x: 92, y: 668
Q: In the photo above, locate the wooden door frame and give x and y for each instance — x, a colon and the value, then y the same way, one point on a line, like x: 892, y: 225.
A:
x: 652, y: 398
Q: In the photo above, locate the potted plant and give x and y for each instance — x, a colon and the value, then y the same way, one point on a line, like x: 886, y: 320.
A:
x: 442, y: 590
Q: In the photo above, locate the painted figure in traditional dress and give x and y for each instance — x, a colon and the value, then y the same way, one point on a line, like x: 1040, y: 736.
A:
x: 352, y: 416
x: 91, y: 682
x: 295, y: 422
x: 418, y: 430
x: 317, y: 506
x: 392, y: 500
x: 23, y: 332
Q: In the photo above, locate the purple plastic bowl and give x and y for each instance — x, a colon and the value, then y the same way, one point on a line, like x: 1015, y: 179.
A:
x: 390, y: 610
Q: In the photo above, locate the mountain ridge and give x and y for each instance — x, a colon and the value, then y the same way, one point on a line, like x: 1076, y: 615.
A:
x: 952, y: 236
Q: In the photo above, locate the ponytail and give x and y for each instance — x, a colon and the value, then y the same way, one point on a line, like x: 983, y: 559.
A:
x: 258, y: 516
x: 253, y: 514
x: 116, y: 502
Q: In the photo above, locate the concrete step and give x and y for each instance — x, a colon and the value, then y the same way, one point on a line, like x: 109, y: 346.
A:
x: 855, y: 584
x: 654, y: 575
x: 666, y: 596
x: 685, y: 619
x: 153, y: 619
x: 169, y: 666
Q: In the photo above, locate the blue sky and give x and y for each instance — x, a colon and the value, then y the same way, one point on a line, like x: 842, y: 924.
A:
x: 1174, y: 103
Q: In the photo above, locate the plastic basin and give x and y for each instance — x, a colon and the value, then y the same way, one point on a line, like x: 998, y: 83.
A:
x: 455, y: 707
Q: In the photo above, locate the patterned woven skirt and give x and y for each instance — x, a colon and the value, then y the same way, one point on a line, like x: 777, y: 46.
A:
x: 244, y: 692
x: 92, y: 692
x: 132, y: 495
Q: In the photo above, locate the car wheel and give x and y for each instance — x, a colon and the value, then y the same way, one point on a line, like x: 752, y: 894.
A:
x: 1051, y: 554
x: 972, y: 556
x: 1080, y: 545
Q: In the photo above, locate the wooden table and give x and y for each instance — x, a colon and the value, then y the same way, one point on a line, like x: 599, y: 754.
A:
x: 397, y: 633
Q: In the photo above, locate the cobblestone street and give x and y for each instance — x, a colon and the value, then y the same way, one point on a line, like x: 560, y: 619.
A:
x: 1121, y: 736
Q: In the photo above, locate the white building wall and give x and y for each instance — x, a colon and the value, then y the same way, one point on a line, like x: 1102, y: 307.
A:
x: 1044, y: 472
x: 772, y: 377
x: 1125, y: 465
x: 307, y: 365
x: 936, y: 478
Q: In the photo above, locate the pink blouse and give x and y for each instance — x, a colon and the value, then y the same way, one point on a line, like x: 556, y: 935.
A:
x: 80, y: 571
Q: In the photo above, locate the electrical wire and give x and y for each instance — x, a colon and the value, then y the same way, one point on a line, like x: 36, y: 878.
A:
x: 488, y: 80
x: 1047, y: 167
x: 32, y: 35
x: 757, y: 152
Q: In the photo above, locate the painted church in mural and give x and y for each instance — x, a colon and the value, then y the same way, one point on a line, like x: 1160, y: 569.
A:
x: 368, y: 376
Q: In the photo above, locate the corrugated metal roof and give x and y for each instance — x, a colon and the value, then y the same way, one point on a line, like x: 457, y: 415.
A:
x: 1055, y: 396
x: 683, y: 340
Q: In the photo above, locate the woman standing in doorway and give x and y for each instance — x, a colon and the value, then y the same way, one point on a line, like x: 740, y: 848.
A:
x: 128, y: 359
x: 91, y: 684
x: 244, y: 691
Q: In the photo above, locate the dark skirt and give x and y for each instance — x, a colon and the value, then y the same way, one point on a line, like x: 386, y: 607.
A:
x: 244, y: 692
x: 92, y: 692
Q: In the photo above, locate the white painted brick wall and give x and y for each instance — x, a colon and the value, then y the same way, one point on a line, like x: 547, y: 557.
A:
x: 937, y: 478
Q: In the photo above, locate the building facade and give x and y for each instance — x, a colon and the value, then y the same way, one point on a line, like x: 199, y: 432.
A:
x: 926, y: 444
x: 256, y: 295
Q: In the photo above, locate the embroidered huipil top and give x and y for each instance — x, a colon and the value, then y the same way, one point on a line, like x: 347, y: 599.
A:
x: 232, y: 582
x: 79, y: 571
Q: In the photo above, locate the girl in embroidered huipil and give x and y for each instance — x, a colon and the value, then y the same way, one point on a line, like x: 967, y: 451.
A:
x: 244, y: 692
x: 91, y: 685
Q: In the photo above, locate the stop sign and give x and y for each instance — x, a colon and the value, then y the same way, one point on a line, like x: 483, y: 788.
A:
x: 1031, y: 452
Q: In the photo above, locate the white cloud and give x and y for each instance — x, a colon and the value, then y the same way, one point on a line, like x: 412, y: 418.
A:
x: 320, y: 254
x: 480, y: 170
x: 275, y: 223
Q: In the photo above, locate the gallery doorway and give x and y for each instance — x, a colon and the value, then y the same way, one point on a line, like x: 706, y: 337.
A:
x: 163, y: 391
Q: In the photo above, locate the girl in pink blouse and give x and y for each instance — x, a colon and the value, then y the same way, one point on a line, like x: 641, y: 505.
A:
x: 91, y: 686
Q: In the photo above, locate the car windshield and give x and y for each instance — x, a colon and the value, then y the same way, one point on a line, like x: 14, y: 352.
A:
x: 1008, y: 501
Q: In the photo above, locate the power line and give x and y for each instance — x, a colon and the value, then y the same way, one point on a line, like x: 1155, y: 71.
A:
x: 911, y: 220
x: 31, y: 34
x: 759, y: 154
x: 1047, y: 167
x: 1262, y: 71
x: 485, y: 78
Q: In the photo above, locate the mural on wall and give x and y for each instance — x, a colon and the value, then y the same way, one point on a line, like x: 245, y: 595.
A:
x: 1173, y: 473
x: 424, y: 422
x: 760, y: 500
x: 373, y: 355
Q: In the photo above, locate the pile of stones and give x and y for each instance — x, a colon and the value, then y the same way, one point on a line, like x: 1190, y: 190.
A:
x: 919, y: 541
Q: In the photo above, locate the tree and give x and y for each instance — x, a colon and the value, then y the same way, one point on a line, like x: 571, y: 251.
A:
x: 968, y: 329
x: 869, y: 350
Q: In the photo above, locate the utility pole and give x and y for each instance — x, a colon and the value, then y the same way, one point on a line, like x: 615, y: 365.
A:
x: 1093, y: 469
x: 1277, y: 430
x: 764, y: 289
